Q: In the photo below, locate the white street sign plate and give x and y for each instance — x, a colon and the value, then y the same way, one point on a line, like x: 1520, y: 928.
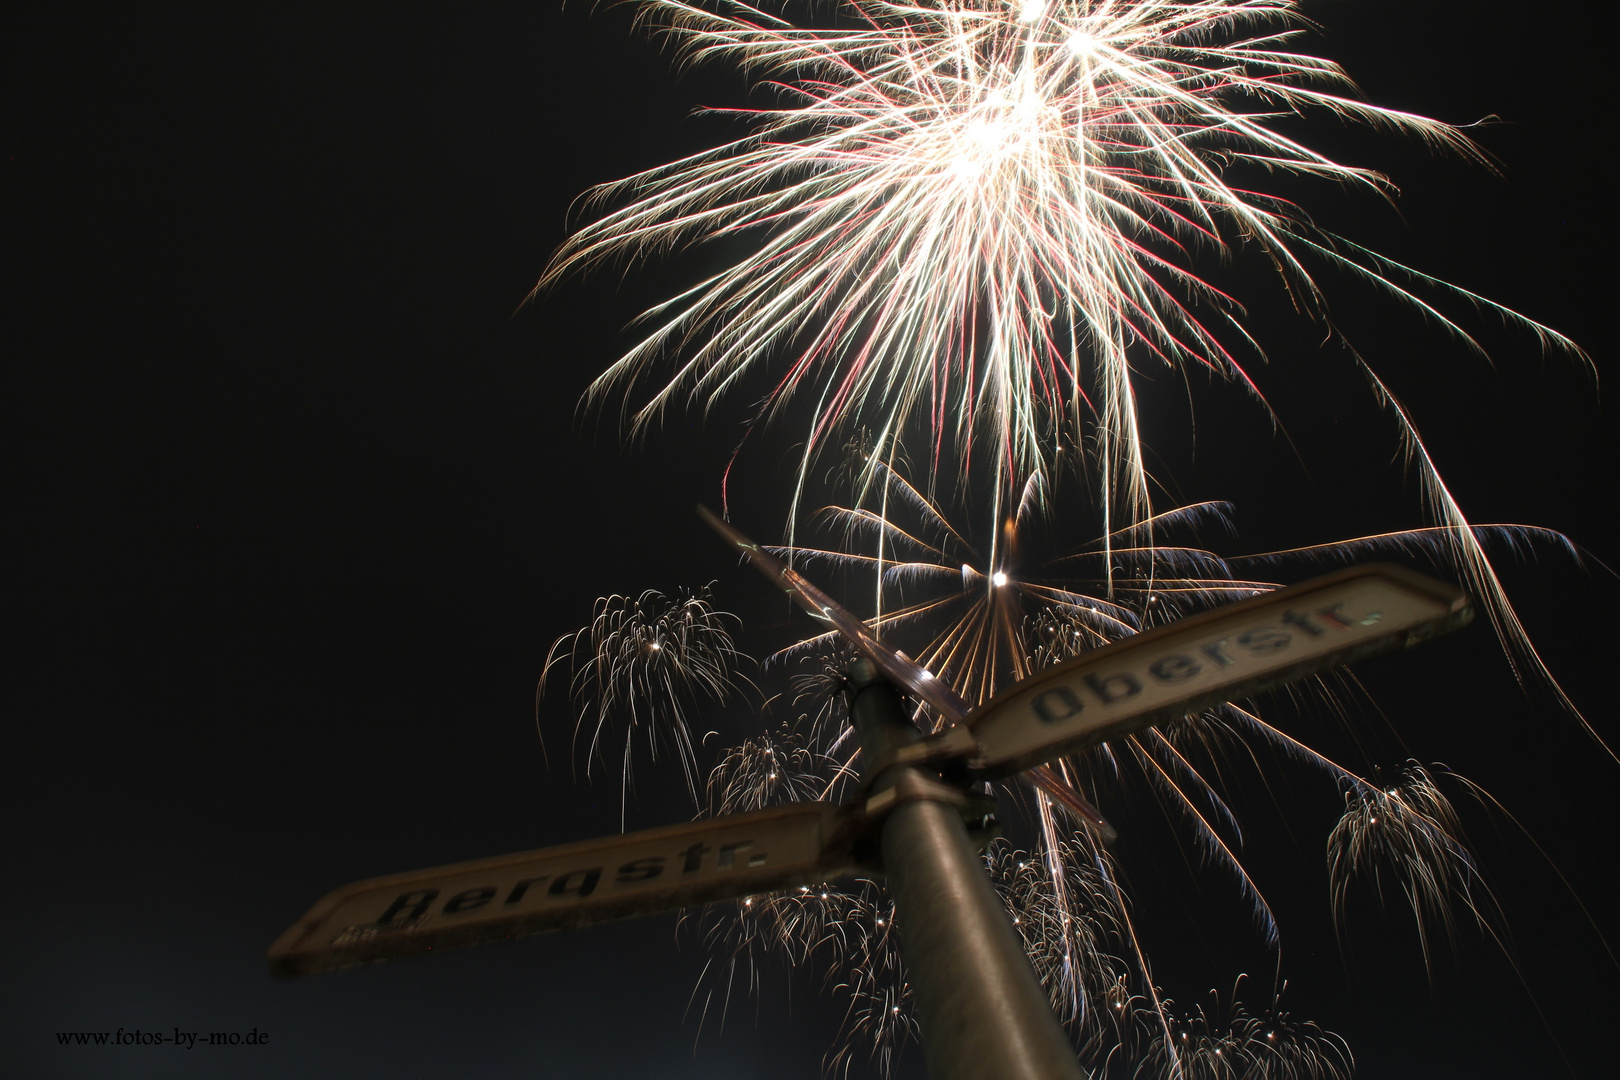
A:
x: 572, y: 885
x: 1217, y: 656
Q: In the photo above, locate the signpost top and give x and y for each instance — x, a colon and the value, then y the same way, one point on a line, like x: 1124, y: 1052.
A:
x: 1150, y: 678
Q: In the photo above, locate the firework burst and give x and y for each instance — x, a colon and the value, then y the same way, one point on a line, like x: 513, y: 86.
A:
x: 644, y: 664
x: 766, y: 770
x: 1227, y: 1042
x: 987, y: 207
x: 845, y: 930
x: 1064, y: 907
x: 987, y: 216
x: 1408, y: 830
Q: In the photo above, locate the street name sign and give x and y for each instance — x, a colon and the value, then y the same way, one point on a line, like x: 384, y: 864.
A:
x: 1231, y: 652
x: 553, y: 888
x: 1149, y: 678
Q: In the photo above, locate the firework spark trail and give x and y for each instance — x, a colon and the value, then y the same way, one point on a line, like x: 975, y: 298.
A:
x: 1072, y: 934
x: 848, y: 931
x: 986, y: 215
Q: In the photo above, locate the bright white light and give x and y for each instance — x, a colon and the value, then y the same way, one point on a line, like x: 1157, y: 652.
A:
x: 655, y: 647
x: 988, y: 134
x: 967, y: 170
x: 998, y: 578
x: 927, y: 674
x: 1032, y: 10
x: 1081, y: 43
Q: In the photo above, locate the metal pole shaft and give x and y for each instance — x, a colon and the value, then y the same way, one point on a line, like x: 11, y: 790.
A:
x: 981, y: 1009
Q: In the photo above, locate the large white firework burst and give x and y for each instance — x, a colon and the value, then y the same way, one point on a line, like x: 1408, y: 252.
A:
x: 990, y: 216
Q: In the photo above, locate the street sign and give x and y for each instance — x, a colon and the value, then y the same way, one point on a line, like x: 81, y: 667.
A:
x: 966, y: 958
x: 1147, y: 679
x: 1230, y: 652
x: 572, y: 885
x: 893, y: 663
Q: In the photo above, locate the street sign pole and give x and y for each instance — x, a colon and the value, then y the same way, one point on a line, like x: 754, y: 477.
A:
x: 983, y: 1013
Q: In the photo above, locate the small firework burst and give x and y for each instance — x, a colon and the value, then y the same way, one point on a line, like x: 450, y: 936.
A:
x: 1228, y: 1042
x: 766, y: 770
x: 644, y: 664
x: 1407, y: 833
x: 846, y: 932
x: 819, y: 686
x: 1064, y: 909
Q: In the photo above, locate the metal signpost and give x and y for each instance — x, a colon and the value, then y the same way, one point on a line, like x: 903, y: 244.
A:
x: 983, y: 1013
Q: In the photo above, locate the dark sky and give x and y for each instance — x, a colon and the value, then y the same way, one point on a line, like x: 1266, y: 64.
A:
x: 299, y: 503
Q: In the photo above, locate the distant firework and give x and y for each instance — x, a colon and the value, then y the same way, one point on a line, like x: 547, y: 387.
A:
x: 643, y: 664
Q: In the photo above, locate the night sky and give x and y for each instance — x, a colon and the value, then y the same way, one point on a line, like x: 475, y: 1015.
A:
x: 300, y: 498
